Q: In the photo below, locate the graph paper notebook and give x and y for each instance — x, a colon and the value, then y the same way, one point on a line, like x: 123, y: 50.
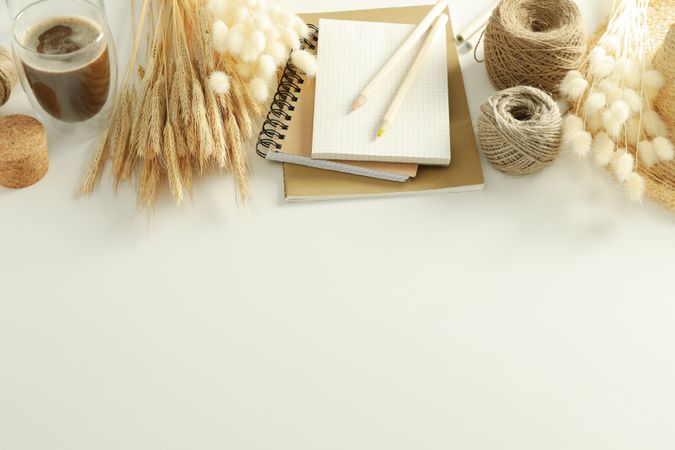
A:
x: 287, y: 133
x: 463, y: 174
x: 350, y: 54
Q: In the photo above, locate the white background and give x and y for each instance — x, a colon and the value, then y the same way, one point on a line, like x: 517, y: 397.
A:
x: 537, y: 314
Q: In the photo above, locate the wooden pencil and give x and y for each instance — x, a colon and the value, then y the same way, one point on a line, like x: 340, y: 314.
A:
x: 415, y: 36
x: 413, y: 73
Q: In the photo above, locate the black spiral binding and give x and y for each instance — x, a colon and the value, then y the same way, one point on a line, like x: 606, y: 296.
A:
x: 283, y: 104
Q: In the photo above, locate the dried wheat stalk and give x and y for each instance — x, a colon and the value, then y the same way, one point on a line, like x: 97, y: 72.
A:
x: 167, y: 125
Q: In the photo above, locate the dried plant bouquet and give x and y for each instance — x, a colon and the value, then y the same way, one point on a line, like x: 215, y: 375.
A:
x: 612, y: 116
x: 190, y: 108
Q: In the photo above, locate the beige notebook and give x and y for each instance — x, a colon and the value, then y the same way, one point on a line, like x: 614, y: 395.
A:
x: 350, y: 54
x: 463, y: 174
x: 287, y: 134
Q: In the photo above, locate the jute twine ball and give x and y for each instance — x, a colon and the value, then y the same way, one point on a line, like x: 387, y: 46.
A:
x: 23, y: 151
x: 664, y: 62
x: 520, y: 130
x: 533, y: 43
x: 8, y: 77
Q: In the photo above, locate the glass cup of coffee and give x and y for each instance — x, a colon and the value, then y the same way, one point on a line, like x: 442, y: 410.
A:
x: 65, y: 58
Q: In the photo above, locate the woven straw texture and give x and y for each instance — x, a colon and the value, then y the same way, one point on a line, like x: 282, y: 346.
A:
x: 664, y: 61
x: 660, y: 179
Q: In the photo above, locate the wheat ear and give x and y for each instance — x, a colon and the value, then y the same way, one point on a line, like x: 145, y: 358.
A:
x: 172, y: 167
x: 122, y: 149
x: 96, y: 164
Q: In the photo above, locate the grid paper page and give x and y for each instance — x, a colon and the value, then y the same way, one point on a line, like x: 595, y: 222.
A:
x: 350, y: 54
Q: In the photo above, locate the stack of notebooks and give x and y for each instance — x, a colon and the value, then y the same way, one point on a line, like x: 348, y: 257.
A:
x: 330, y: 152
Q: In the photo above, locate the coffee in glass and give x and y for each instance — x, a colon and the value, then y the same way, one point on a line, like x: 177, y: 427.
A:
x: 65, y: 59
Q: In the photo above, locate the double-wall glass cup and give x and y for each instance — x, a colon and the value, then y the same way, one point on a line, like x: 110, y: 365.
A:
x: 66, y: 62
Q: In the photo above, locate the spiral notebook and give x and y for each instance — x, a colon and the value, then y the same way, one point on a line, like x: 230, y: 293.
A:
x: 294, y: 101
x: 305, y: 183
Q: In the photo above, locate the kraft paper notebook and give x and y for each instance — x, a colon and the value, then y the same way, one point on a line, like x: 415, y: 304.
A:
x: 294, y: 104
x: 303, y: 183
x: 350, y: 54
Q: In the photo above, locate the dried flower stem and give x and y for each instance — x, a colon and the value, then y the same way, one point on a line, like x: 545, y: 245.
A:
x: 167, y: 123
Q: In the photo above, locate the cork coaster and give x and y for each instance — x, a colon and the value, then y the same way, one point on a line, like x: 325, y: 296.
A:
x: 23, y: 151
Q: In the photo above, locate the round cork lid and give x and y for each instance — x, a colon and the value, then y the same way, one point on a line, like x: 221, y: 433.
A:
x: 21, y: 137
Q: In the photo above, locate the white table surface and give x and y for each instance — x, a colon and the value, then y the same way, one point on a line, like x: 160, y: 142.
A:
x: 537, y: 314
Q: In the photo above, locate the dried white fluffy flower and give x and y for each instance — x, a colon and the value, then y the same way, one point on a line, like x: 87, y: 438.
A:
x: 301, y: 28
x: 611, y: 89
x: 572, y: 123
x: 260, y: 35
x: 635, y: 187
x: 597, y: 54
x: 277, y: 51
x: 652, y: 79
x: 304, y: 61
x: 611, y: 124
x: 646, y: 153
x: 622, y: 165
x: 249, y: 54
x: 603, y: 149
x: 257, y: 41
x: 267, y: 67
x: 217, y: 7
x: 290, y: 38
x: 620, y: 111
x: 664, y: 149
x: 632, y: 99
x: 236, y: 40
x: 572, y: 74
x: 580, y: 143
x: 627, y: 71
x: 601, y: 67
x: 242, y: 14
x: 259, y: 89
x: 220, y: 36
x: 573, y: 86
x: 262, y: 22
x: 219, y: 82
x: 286, y: 18
x: 594, y: 103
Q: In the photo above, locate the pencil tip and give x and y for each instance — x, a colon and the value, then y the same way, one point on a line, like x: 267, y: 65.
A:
x: 380, y: 133
x: 358, y: 103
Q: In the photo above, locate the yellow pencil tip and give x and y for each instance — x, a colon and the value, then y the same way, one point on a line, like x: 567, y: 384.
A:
x: 380, y: 133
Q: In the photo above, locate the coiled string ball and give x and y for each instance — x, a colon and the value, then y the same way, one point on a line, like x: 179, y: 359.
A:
x: 520, y: 130
x: 8, y: 77
x: 533, y: 43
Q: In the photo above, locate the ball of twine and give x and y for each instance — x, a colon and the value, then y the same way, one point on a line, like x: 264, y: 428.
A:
x: 520, y: 130
x: 533, y: 43
x: 8, y: 78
